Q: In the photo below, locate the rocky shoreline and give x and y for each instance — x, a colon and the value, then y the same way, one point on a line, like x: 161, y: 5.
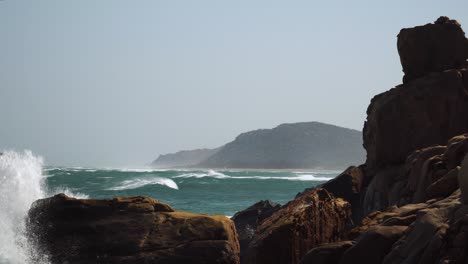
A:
x: 407, y: 204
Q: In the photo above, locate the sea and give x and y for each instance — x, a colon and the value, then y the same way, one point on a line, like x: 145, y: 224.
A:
x: 24, y: 178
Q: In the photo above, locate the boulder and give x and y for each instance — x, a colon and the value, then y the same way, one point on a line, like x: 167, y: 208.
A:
x: 425, y: 112
x: 444, y: 186
x: 373, y: 245
x: 432, y: 48
x: 246, y: 221
x: 329, y: 253
x: 314, y: 218
x: 348, y: 186
x: 129, y: 230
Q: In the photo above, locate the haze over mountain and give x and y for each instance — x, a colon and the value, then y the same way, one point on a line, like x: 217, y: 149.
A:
x: 296, y: 145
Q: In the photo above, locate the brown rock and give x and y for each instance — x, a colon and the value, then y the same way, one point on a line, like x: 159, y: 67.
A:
x: 129, y: 230
x: 444, y: 186
x: 348, y: 186
x: 373, y: 245
x: 286, y: 236
x: 428, y: 111
x: 246, y: 221
x: 329, y: 253
x: 432, y: 48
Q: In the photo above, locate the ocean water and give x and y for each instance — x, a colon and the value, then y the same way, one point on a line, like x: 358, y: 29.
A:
x: 199, y: 191
x: 24, y: 179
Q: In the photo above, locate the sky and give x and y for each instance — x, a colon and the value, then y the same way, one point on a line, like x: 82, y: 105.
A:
x: 116, y: 83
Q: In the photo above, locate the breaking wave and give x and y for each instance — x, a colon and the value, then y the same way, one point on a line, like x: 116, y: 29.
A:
x: 140, y: 182
x: 219, y: 175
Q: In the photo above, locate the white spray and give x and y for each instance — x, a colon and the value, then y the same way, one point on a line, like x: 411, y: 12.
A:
x: 21, y: 183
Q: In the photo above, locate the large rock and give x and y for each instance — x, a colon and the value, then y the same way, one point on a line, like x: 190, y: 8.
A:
x: 246, y: 221
x: 329, y: 253
x: 432, y: 48
x: 431, y: 232
x: 425, y: 112
x: 309, y: 220
x: 129, y: 230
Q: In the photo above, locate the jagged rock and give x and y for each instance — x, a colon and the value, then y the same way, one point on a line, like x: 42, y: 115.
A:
x: 432, y: 48
x: 430, y: 232
x: 129, y: 230
x: 426, y: 112
x: 329, y: 253
x: 348, y: 186
x: 305, y: 222
x: 246, y: 221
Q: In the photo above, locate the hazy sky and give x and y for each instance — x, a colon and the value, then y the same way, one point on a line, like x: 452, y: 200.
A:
x: 115, y: 83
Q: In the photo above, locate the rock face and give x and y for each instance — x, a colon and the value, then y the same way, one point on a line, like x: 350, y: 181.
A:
x: 289, y: 233
x: 129, y: 230
x: 432, y: 48
x: 431, y: 232
x: 246, y: 221
x: 425, y: 112
x: 298, y: 145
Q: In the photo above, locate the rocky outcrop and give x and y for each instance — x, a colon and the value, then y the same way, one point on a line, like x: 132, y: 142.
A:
x: 247, y: 220
x: 129, y: 230
x: 297, y: 145
x: 416, y: 233
x: 432, y: 48
x: 427, y: 111
x: 289, y: 233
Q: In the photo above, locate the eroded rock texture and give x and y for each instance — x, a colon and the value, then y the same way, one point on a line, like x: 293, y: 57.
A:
x: 312, y: 219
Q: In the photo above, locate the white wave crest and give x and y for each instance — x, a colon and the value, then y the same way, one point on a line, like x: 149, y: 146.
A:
x: 21, y: 183
x: 210, y: 173
x: 68, y: 192
x: 140, y: 182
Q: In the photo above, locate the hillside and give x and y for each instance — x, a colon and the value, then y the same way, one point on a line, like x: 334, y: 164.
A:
x: 297, y: 145
x: 184, y: 158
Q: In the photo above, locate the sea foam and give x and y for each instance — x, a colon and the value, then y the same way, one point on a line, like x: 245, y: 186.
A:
x: 140, y: 182
x: 21, y: 183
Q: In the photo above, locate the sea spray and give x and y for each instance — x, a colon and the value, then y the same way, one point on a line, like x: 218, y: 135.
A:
x: 21, y: 183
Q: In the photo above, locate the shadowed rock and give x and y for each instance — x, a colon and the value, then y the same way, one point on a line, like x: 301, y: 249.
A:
x: 432, y: 48
x: 129, y: 230
x: 247, y: 220
x: 305, y: 222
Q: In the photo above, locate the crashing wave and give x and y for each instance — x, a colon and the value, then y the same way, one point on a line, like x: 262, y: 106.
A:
x: 140, y: 182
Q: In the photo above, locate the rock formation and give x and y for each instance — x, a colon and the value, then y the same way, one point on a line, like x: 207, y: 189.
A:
x: 129, y: 230
x: 300, y: 225
x: 432, y: 48
x: 247, y: 220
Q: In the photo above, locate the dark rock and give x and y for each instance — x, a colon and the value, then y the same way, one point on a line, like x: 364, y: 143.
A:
x: 373, y: 245
x: 129, y: 230
x: 444, y: 186
x: 329, y: 253
x: 426, y: 112
x: 305, y: 222
x: 348, y: 186
x: 432, y: 48
x: 246, y: 221
x: 463, y: 180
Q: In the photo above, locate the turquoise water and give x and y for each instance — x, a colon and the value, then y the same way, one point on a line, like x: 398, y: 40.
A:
x: 200, y: 191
